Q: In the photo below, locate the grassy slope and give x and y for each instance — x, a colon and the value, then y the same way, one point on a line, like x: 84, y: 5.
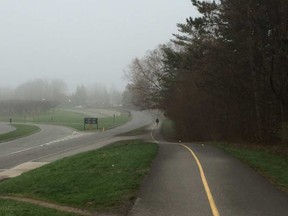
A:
x: 107, y: 178
x: 21, y: 131
x: 269, y: 164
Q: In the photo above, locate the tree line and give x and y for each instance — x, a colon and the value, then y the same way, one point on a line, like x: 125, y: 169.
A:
x: 223, y: 76
x: 25, y: 108
x: 56, y: 92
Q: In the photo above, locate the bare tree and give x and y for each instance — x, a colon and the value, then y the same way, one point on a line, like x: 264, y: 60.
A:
x: 145, y: 77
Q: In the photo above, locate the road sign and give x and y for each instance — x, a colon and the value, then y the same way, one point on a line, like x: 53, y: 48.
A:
x: 90, y: 121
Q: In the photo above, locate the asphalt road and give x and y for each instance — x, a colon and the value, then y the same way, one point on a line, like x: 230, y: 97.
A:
x: 54, y: 142
x: 5, y: 128
x: 175, y: 187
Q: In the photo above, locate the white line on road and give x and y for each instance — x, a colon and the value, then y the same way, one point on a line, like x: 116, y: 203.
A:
x: 73, y: 136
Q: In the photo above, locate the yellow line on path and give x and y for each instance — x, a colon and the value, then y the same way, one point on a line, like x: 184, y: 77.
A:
x: 212, y: 203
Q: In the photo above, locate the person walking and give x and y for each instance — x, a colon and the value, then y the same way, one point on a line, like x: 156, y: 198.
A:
x: 157, y: 121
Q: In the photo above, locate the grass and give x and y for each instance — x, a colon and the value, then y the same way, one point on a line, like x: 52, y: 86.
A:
x: 168, y: 129
x: 14, y: 208
x: 69, y: 118
x: 104, y: 179
x: 21, y: 131
x: 110, y: 122
x: 269, y: 164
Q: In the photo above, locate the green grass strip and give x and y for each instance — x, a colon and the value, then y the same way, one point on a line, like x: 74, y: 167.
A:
x: 104, y: 179
x: 14, y: 208
x: 70, y: 119
x: 269, y: 164
x: 21, y: 131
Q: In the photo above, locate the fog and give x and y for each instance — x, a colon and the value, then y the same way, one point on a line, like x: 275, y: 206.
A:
x: 82, y: 41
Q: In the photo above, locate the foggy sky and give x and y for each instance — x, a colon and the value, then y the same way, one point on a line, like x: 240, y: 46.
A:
x: 82, y: 41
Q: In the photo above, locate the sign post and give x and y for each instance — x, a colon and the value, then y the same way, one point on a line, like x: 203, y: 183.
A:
x: 90, y: 121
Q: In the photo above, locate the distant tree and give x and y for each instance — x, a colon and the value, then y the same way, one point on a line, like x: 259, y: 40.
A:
x: 33, y: 90
x: 55, y: 90
x: 25, y: 107
x: 144, y: 77
x: 98, y: 96
x: 6, y: 93
x: 80, y: 96
x: 115, y: 97
x: 58, y: 90
x: 127, y: 98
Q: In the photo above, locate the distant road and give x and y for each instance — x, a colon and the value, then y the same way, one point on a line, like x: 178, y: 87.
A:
x: 54, y: 142
x: 6, y: 128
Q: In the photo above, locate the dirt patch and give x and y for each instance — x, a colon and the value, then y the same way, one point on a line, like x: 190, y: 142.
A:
x: 62, y: 208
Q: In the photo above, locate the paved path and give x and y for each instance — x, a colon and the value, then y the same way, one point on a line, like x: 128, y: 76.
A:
x: 174, y: 186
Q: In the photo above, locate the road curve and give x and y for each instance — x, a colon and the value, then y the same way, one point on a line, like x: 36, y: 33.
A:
x: 53, y: 142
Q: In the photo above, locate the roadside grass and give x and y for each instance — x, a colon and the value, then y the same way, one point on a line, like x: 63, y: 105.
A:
x: 137, y: 131
x: 106, y: 179
x: 270, y: 164
x: 168, y: 130
x: 69, y: 118
x: 54, y: 116
x: 111, y: 122
x: 21, y: 131
x: 14, y: 208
